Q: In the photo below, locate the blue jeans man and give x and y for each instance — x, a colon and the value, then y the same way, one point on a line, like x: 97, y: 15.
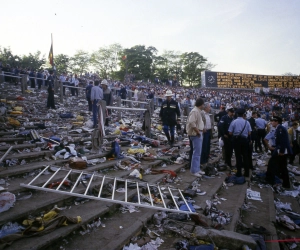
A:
x: 95, y: 113
x: 197, y: 149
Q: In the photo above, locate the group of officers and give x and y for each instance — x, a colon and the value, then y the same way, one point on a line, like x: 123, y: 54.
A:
x: 242, y: 135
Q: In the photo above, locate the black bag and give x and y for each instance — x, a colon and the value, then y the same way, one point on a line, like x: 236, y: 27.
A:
x: 211, y: 170
x: 189, y: 192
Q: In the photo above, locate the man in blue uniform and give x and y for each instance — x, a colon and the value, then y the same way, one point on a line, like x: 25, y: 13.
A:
x: 240, y: 130
x: 223, y: 127
x: 280, y: 153
x: 170, y: 116
x: 261, y: 125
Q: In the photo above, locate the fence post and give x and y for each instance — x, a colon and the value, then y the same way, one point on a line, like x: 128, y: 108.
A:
x: 1, y: 77
x: 130, y: 98
x: 61, y: 92
x: 147, y: 124
x: 151, y: 106
x: 119, y: 105
x: 103, y: 105
x: 24, y: 83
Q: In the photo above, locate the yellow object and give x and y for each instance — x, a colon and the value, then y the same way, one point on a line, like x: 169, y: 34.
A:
x: 13, y: 122
x: 50, y: 215
x: 136, y: 150
x: 159, y: 127
x: 18, y: 108
x: 79, y: 118
x: 79, y: 219
x: 117, y: 132
x: 16, y: 112
x: 78, y: 123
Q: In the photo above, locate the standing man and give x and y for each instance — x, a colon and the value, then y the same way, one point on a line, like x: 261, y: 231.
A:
x: 123, y: 93
x: 39, y: 79
x: 96, y: 96
x: 240, y: 130
x: 219, y: 116
x: 88, y: 92
x: 223, y: 127
x: 107, y: 97
x: 261, y: 125
x: 207, y: 132
x: 170, y: 116
x: 293, y: 137
x: 50, y: 100
x: 280, y: 153
x: 194, y: 128
x: 72, y: 84
x: 62, y: 79
x: 252, y: 138
x: 141, y: 97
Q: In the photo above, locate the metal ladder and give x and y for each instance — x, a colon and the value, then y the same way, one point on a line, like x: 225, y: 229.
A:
x: 165, y: 204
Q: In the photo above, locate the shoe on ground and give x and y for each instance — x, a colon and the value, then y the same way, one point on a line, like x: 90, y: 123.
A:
x: 197, y: 175
x: 200, y: 192
x: 201, y: 172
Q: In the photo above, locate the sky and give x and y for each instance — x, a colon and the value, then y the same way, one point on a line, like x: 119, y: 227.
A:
x: 240, y: 36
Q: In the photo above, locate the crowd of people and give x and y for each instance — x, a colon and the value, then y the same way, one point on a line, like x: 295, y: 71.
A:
x: 247, y: 121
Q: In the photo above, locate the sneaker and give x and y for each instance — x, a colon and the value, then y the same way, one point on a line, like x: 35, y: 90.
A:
x: 197, y: 174
x: 201, y: 172
x: 200, y: 192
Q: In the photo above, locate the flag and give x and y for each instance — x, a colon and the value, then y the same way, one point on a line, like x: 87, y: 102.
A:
x: 51, y: 53
x: 124, y: 57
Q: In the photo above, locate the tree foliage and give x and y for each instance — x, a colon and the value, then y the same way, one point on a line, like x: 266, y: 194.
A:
x: 62, y: 63
x: 114, y: 62
x: 33, y: 61
x: 138, y: 61
x: 105, y: 60
x: 80, y: 62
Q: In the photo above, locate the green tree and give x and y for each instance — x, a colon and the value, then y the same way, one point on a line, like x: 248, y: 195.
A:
x: 174, y: 64
x: 160, y: 68
x: 7, y: 57
x: 61, y: 62
x: 33, y: 61
x: 80, y: 62
x: 138, y: 61
x: 105, y: 60
x: 192, y: 65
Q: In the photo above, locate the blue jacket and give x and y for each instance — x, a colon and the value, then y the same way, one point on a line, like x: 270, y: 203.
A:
x: 282, y: 141
x: 224, y: 124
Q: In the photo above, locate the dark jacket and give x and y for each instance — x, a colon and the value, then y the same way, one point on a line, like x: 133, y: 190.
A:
x: 282, y: 141
x: 224, y: 124
x: 220, y: 115
x: 169, y: 113
x: 123, y: 93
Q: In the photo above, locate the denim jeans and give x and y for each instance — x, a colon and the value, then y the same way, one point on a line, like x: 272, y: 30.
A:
x: 197, y: 148
x: 205, y: 147
x: 95, y: 112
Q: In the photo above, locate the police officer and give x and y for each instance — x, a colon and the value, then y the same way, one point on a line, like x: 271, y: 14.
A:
x: 223, y: 127
x: 240, y: 130
x: 170, y: 116
x: 261, y: 125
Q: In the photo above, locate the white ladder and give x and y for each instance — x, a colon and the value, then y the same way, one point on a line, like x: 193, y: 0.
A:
x: 165, y: 204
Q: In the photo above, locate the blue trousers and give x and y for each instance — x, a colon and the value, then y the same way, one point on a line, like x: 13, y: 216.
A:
x: 197, y: 149
x: 205, y: 146
x: 95, y: 112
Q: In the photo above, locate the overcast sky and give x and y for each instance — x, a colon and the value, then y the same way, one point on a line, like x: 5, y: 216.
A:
x: 243, y: 36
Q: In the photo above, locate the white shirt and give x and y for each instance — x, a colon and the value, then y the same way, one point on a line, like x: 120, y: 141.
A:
x: 207, y: 121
